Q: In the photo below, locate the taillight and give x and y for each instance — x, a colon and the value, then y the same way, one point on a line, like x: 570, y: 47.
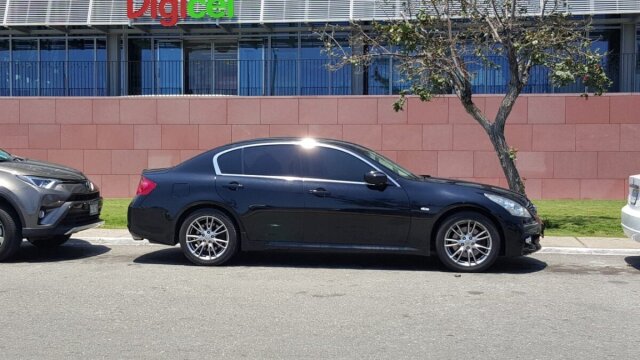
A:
x: 145, y: 187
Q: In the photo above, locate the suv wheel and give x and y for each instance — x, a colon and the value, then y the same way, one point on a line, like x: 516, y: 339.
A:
x: 208, y: 237
x: 10, y: 235
x: 468, y: 242
x: 49, y: 242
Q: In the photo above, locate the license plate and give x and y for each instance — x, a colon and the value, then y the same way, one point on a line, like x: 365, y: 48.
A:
x: 94, y: 209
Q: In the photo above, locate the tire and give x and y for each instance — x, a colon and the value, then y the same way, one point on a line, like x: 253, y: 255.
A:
x: 10, y: 235
x: 463, y: 253
x: 207, y: 247
x: 49, y: 242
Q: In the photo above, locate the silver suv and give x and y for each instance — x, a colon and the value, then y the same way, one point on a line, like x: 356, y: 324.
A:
x: 631, y: 211
x: 44, y: 203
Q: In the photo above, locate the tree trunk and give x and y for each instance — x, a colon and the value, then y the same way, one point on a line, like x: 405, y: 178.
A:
x: 507, y: 160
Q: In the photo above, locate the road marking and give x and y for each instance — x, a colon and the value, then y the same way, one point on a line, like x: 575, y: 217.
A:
x: 588, y: 251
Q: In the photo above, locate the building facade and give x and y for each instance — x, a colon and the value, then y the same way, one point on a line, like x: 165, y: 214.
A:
x: 70, y: 69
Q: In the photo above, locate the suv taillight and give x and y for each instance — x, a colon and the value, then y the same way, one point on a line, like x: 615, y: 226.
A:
x: 633, y: 194
x: 145, y: 187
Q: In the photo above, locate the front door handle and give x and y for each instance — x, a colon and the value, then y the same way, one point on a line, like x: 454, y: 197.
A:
x: 234, y: 185
x: 319, y: 192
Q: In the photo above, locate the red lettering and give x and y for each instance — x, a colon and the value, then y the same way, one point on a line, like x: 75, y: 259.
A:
x: 146, y: 5
x: 169, y: 18
x: 183, y: 9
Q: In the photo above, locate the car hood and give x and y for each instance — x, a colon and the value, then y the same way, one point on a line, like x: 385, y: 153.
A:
x: 512, y: 195
x: 42, y: 169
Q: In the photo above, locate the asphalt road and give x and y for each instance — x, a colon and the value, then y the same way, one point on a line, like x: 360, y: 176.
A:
x: 96, y: 301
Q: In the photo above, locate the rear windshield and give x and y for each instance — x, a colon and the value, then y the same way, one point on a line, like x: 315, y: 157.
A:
x: 5, y: 156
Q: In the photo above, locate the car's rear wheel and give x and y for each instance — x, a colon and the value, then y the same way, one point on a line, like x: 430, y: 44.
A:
x: 468, y: 242
x: 208, y: 237
x: 10, y: 235
x: 49, y: 242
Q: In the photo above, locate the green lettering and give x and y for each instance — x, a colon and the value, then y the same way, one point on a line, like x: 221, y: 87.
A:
x: 191, y: 9
x: 220, y: 8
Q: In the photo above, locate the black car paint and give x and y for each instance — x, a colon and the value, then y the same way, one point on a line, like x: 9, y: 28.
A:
x: 347, y: 217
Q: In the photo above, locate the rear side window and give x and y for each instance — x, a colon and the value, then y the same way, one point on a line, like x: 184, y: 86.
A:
x: 231, y: 162
x: 332, y: 164
x: 271, y: 160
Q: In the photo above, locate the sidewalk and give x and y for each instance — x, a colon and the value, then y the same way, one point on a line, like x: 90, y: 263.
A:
x: 122, y: 237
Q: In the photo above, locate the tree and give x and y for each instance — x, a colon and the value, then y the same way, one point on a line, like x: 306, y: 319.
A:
x: 436, y: 44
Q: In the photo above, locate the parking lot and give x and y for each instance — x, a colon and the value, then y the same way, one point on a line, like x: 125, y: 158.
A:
x: 97, y: 299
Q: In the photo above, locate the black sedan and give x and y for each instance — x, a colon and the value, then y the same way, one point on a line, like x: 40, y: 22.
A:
x: 326, y: 195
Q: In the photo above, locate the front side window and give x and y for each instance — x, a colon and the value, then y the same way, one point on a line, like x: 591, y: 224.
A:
x: 332, y: 164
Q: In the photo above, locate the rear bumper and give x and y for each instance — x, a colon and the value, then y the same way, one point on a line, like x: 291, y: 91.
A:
x: 150, y: 224
x: 631, y: 222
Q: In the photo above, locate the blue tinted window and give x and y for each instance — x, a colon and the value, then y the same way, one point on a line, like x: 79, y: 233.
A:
x: 52, y: 67
x: 225, y: 68
x: 82, y: 67
x: 5, y: 72
x: 169, y: 67
x: 198, y: 67
x: 251, y: 68
x: 283, y: 70
x: 25, y: 67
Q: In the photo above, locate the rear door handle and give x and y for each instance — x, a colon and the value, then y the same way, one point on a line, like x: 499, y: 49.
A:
x: 319, y: 192
x: 233, y: 186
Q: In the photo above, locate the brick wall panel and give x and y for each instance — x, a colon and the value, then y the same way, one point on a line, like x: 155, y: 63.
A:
x: 74, y: 111
x: 172, y: 111
x: 546, y: 110
x: 587, y: 110
x: 435, y: 111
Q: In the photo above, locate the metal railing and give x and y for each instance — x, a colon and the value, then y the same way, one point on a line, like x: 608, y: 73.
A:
x: 264, y: 78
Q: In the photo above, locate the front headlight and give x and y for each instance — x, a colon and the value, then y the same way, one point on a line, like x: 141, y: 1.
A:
x: 511, y: 206
x: 40, y: 182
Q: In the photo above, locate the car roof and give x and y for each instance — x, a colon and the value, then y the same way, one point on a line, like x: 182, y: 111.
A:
x: 258, y: 141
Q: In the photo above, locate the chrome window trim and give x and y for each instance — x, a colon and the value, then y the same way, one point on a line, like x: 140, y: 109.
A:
x: 293, y: 178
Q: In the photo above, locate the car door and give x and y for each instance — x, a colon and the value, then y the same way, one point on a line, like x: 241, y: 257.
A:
x: 262, y: 184
x: 342, y: 209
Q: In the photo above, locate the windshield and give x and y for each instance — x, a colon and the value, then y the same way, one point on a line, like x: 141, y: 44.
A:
x: 389, y: 164
x: 5, y: 156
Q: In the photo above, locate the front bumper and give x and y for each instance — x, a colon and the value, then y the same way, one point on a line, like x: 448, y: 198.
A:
x: 70, y: 218
x: 524, y: 238
x: 631, y: 222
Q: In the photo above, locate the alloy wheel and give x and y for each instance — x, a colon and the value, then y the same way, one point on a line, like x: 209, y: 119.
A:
x: 207, y: 238
x: 468, y: 243
x: 1, y: 233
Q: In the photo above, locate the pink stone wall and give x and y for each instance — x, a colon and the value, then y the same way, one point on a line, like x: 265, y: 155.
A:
x: 569, y: 147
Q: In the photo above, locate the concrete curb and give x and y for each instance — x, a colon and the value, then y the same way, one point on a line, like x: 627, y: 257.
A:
x: 550, y: 245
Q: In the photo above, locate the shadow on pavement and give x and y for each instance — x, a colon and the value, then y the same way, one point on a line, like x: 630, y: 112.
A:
x: 174, y: 256
x: 71, y: 250
x: 633, y: 261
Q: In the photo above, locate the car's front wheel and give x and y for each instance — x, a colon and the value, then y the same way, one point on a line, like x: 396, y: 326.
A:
x: 10, y: 235
x: 467, y: 242
x: 208, y: 237
x: 49, y: 242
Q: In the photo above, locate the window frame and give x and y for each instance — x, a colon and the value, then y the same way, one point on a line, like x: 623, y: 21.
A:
x: 218, y: 172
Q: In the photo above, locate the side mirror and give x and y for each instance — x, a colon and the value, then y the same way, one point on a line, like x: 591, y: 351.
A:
x: 376, y: 178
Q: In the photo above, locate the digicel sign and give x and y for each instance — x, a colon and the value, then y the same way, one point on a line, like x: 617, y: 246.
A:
x: 170, y: 11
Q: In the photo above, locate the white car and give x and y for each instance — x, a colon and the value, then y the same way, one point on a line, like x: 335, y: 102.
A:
x: 631, y: 211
